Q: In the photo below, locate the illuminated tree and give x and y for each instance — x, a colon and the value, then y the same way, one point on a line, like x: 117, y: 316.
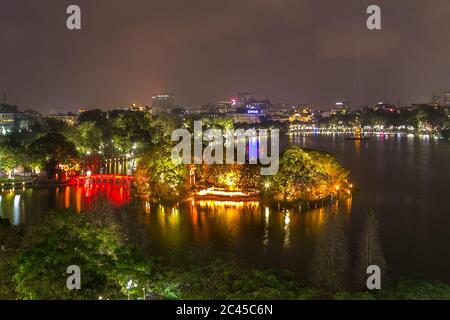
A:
x: 159, y: 176
x: 9, y: 159
x: 307, y: 175
x: 53, y: 149
x: 86, y: 136
x: 244, y: 177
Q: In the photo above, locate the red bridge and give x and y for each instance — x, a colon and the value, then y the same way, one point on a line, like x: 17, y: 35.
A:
x: 102, y: 179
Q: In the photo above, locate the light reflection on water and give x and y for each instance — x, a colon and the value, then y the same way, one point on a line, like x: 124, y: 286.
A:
x: 256, y: 233
x: 404, y: 179
x: 27, y: 205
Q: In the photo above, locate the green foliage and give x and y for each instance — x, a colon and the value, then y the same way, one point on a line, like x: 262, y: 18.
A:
x: 159, y: 176
x: 307, y: 175
x: 52, y: 149
x: 243, y: 177
x: 86, y: 136
x: 10, y: 238
x: 96, y: 116
x: 34, y: 259
x: 205, y: 274
x: 416, y: 290
x: 91, y: 241
x: 129, y: 129
x: 54, y: 125
x: 420, y: 118
x: 9, y: 159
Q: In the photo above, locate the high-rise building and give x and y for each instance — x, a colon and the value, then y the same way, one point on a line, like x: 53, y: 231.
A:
x: 163, y: 102
x: 70, y: 119
x: 244, y: 99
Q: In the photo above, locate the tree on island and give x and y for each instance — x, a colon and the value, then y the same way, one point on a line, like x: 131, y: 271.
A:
x: 308, y: 175
x: 159, y: 176
x: 237, y: 176
x: 330, y: 261
x: 370, y: 252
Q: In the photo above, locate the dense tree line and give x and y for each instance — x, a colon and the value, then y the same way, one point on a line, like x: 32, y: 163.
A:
x: 34, y: 259
x: 49, y: 142
x: 420, y: 118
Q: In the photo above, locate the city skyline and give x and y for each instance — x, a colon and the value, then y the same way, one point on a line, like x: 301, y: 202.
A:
x: 224, y: 156
x: 124, y: 54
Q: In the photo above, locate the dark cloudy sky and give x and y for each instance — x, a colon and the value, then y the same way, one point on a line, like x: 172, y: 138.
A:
x: 295, y: 51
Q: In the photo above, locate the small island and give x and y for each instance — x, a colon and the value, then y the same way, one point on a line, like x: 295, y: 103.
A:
x: 303, y: 176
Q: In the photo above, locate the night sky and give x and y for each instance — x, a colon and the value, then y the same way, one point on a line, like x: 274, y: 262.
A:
x: 293, y: 51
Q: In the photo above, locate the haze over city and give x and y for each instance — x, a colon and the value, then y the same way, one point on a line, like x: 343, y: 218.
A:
x: 206, y: 51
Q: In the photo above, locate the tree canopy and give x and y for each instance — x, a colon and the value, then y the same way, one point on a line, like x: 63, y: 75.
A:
x: 307, y: 175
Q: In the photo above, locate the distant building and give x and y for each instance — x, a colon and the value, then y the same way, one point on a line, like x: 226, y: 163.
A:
x: 7, y: 122
x: 163, y: 102
x: 386, y: 107
x: 136, y: 107
x: 69, y: 118
x: 22, y: 121
x: 258, y: 107
x: 10, y: 121
x: 196, y: 110
x: 227, y: 106
x: 304, y: 115
x: 249, y: 118
x: 243, y: 99
x: 341, y: 107
x: 446, y: 98
x: 281, y: 110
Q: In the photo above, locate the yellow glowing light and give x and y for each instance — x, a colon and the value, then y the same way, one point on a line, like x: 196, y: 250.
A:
x: 213, y: 192
x: 287, y: 220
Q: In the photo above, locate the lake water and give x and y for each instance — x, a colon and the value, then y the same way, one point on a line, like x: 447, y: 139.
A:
x: 405, y: 180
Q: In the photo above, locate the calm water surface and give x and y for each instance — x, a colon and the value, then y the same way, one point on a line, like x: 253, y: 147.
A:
x: 405, y: 180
